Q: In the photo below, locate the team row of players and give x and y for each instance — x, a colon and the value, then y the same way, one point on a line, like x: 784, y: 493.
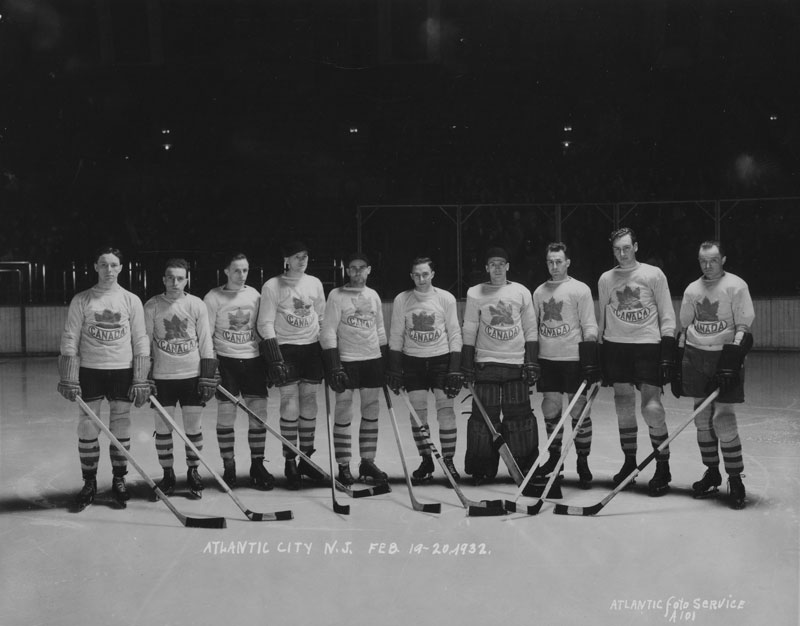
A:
x: 178, y: 347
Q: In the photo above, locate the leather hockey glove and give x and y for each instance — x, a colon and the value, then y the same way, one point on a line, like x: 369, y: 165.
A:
x: 68, y: 384
x: 589, y: 356
x: 454, y: 379
x: 729, y: 366
x: 337, y: 378
x: 139, y: 391
x: 468, y: 364
x: 676, y: 383
x: 666, y: 367
x: 277, y: 372
x: 207, y: 384
x: 394, y: 371
x: 531, y: 370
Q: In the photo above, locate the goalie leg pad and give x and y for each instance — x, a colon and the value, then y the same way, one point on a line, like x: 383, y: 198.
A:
x: 481, y: 459
x: 522, y: 436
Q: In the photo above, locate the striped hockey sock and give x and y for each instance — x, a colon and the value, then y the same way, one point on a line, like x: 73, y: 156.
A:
x: 164, y: 449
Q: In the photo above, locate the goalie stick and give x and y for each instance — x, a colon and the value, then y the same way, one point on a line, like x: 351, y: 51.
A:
x: 353, y: 493
x: 415, y: 504
x: 497, y: 441
x: 483, y: 508
x: 189, y: 522
x: 564, y: 509
x: 534, y: 508
x: 251, y: 515
x: 341, y: 509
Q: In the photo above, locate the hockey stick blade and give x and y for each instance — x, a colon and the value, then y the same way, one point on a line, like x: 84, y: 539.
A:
x: 415, y: 504
x: 188, y: 522
x: 361, y: 493
x: 565, y: 509
x: 482, y: 508
x: 251, y: 515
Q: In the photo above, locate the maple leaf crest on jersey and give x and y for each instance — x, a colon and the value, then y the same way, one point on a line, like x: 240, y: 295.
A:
x: 238, y: 319
x: 630, y: 308
x: 301, y: 309
x: 552, y: 310
x: 502, y: 314
x: 552, y: 313
x: 107, y: 319
x: 108, y: 326
x: 629, y: 298
x: 238, y: 331
x: 176, y: 338
x: 175, y: 328
x: 707, y: 320
x: 422, y: 328
x: 364, y: 315
x: 299, y: 313
x: 706, y: 311
x: 422, y: 321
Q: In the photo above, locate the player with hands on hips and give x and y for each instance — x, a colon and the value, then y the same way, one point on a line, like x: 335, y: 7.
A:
x: 104, y: 353
x: 425, y: 355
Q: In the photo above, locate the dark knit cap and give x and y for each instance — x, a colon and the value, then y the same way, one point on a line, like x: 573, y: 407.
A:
x: 496, y: 251
x: 293, y: 247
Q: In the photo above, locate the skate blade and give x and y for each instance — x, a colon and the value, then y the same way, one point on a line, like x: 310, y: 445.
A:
x: 712, y: 493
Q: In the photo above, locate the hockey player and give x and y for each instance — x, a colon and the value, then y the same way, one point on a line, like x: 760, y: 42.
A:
x: 353, y: 340
x: 232, y: 314
x: 184, y: 369
x: 500, y: 354
x: 637, y: 324
x: 425, y: 354
x: 567, y: 354
x: 716, y: 314
x: 104, y: 354
x: 292, y: 306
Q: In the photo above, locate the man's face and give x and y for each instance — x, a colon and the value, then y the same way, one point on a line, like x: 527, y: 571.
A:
x: 497, y: 268
x: 298, y: 262
x: 358, y: 271
x: 625, y: 251
x: 422, y: 275
x: 557, y: 265
x: 711, y: 262
x: 175, y: 281
x: 237, y: 273
x: 108, y: 268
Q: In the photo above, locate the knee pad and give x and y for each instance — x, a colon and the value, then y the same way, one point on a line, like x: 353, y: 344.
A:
x: 725, y: 422
x: 653, y: 411
x: 419, y: 400
x: 442, y: 401
x: 290, y: 402
x: 481, y: 458
x: 192, y: 416
x: 308, y: 399
x: 370, y: 409
x: 343, y: 409
x: 258, y: 405
x: 552, y: 405
x: 226, y: 414
x: 161, y: 426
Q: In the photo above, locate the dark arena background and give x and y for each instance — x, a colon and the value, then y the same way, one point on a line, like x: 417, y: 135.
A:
x: 199, y: 128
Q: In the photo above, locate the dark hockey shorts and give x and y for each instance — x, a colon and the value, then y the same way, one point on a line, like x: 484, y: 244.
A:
x: 425, y: 373
x: 108, y: 384
x: 634, y: 363
x: 247, y: 377
x: 560, y: 376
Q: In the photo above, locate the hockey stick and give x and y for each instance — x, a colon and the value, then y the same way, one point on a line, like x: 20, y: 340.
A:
x: 534, y: 508
x: 341, y: 509
x: 251, y: 515
x: 540, y: 459
x: 564, y: 509
x: 190, y: 522
x: 498, y: 442
x: 353, y: 493
x: 478, y: 509
x: 415, y: 504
